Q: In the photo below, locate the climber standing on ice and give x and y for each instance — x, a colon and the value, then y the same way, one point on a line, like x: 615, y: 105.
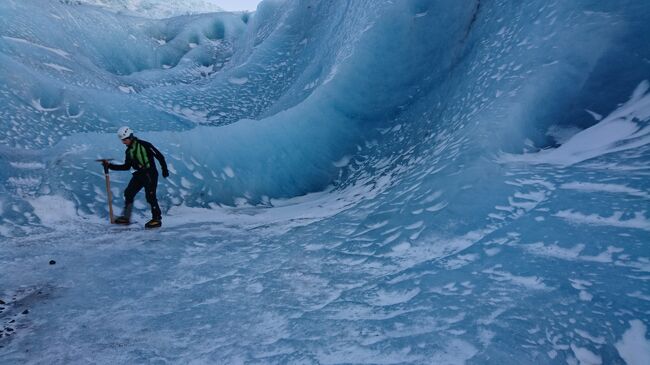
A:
x: 140, y: 156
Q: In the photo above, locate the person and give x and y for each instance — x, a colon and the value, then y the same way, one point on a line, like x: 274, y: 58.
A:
x: 140, y: 156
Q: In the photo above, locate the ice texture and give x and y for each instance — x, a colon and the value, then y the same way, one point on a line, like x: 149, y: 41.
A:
x: 154, y: 8
x: 362, y: 181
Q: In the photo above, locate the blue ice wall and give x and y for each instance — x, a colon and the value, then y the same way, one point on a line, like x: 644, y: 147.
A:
x: 63, y: 59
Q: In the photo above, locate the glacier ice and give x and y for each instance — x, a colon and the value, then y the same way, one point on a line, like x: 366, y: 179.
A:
x: 152, y: 8
x: 364, y: 181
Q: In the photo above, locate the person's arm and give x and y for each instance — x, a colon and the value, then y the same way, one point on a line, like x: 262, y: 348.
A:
x: 123, y: 167
x: 161, y: 159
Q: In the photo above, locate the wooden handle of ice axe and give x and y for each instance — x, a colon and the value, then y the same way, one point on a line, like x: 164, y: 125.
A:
x: 109, y: 195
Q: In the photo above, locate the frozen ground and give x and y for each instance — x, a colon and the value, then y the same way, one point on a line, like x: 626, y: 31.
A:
x: 353, y: 182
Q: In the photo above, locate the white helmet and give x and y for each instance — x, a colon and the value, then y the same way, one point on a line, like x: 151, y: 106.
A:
x: 124, y: 132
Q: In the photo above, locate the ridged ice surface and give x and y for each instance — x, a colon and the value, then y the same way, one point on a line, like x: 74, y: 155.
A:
x: 352, y: 182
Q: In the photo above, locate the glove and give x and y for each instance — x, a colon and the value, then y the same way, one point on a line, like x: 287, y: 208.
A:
x: 106, y: 165
x: 165, y: 173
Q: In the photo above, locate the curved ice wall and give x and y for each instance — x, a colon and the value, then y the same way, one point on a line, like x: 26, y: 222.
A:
x: 413, y: 97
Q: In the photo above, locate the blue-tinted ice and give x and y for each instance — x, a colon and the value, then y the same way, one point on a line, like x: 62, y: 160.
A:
x: 352, y: 182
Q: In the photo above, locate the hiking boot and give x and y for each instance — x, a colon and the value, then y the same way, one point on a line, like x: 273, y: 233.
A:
x: 122, y: 220
x: 154, y: 223
x: 125, y: 218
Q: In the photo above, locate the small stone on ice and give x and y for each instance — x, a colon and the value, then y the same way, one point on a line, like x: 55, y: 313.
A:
x: 26, y: 311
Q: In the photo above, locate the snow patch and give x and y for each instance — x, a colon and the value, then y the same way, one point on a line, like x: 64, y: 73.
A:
x: 586, y: 357
x: 58, y: 67
x: 344, y: 161
x: 623, y: 129
x: 529, y: 282
x: 27, y: 165
x: 386, y: 298
x: 555, y: 250
x: 562, y: 135
x: 639, y: 221
x: 238, y: 80
x: 229, y: 172
x: 597, y: 340
x: 127, y: 89
x: 36, y: 103
x: 606, y: 188
x: 53, y: 210
x: 56, y: 51
x: 634, y: 347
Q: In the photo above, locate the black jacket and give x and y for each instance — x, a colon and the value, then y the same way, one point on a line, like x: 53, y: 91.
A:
x: 141, y: 162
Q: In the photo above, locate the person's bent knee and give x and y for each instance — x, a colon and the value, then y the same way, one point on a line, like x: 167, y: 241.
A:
x: 128, y: 198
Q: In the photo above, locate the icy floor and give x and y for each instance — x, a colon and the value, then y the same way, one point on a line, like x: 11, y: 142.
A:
x: 308, y: 282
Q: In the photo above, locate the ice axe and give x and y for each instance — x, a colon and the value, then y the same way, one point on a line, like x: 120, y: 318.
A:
x: 109, y: 195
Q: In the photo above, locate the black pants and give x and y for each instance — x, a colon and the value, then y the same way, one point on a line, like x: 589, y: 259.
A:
x: 149, y: 180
